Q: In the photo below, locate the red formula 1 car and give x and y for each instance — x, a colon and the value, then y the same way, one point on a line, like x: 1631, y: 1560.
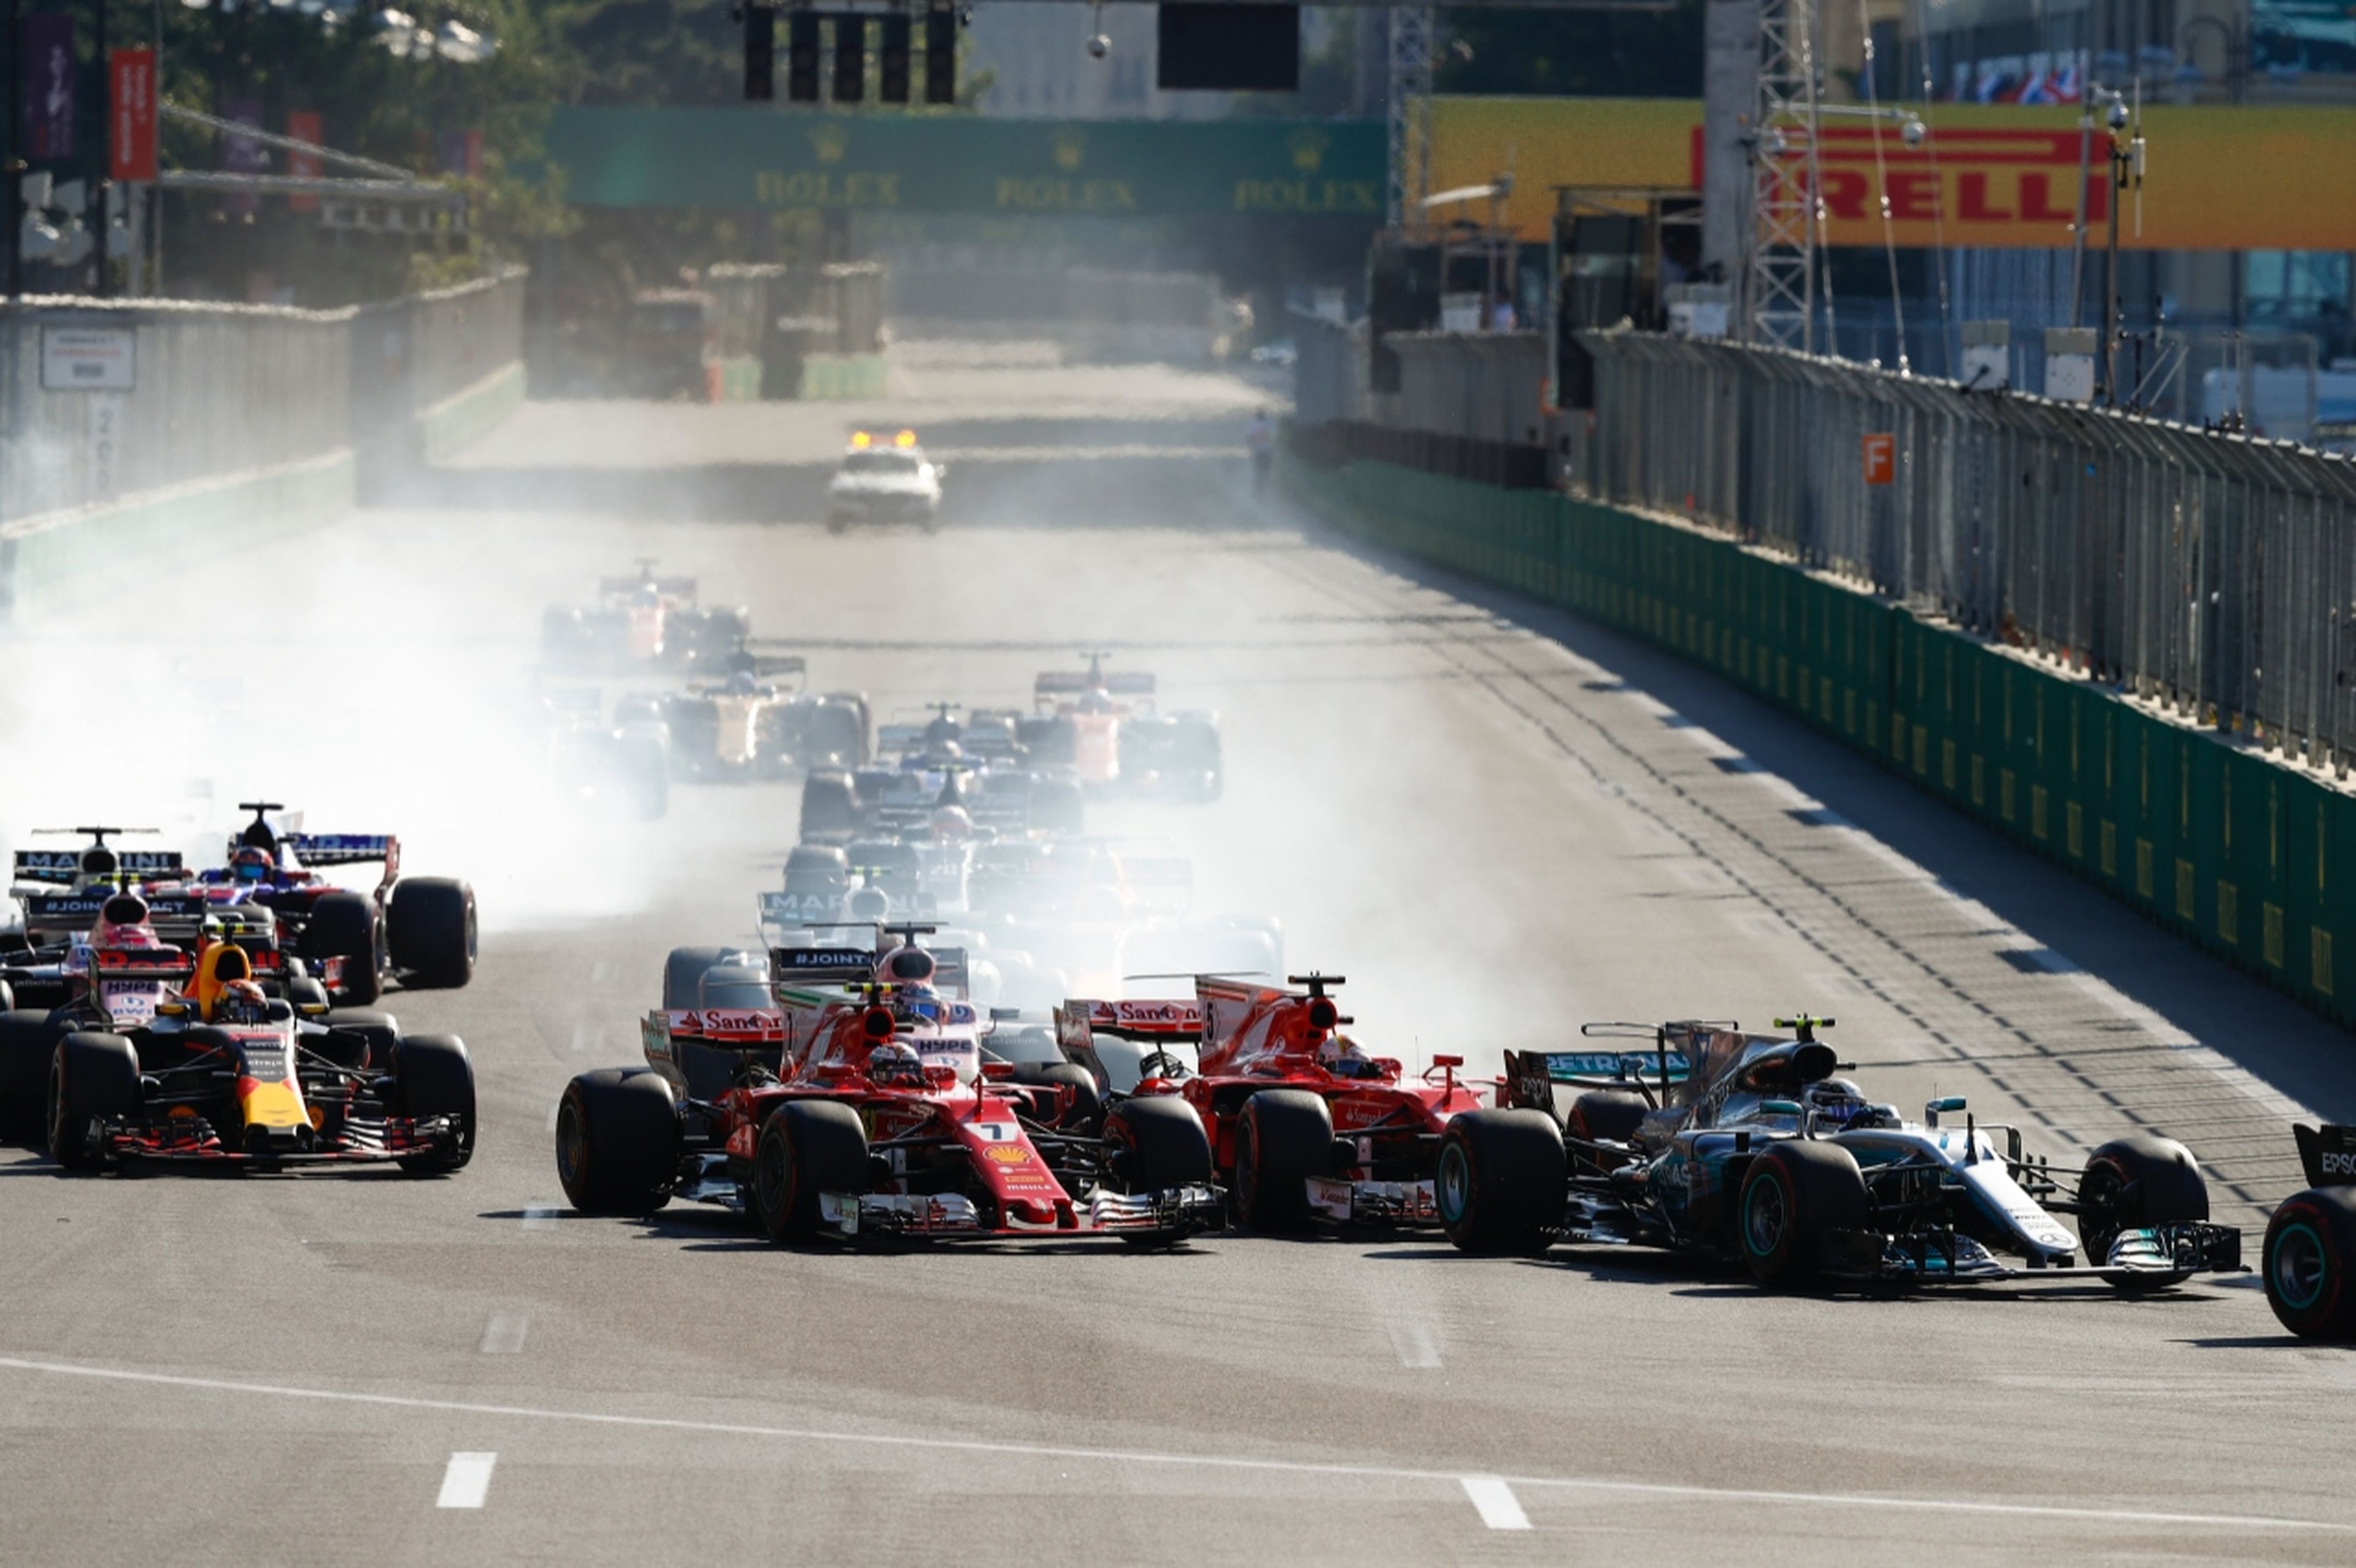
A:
x: 1304, y: 1125
x: 859, y: 1104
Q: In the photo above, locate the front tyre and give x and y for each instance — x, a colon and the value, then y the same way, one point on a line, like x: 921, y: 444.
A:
x: 1284, y: 1137
x: 2311, y: 1251
x: 1501, y: 1182
x: 93, y: 1080
x: 1795, y: 1197
x: 806, y: 1148
x: 2135, y: 1181
x: 433, y: 1076
x: 618, y: 1141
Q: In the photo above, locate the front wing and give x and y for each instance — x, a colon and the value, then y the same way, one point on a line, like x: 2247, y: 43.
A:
x: 1175, y: 1214
x: 194, y: 1141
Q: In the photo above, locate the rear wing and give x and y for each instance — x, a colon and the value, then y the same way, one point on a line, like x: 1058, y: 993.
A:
x: 1076, y: 1020
x: 2327, y: 1154
x: 1531, y: 1075
x: 727, y: 1026
x: 669, y: 587
x: 820, y: 966
x: 63, y: 868
x: 895, y: 738
x: 322, y: 850
x: 1054, y: 683
x: 143, y: 964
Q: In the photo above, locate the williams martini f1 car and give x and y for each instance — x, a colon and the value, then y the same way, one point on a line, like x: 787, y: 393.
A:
x: 161, y: 1055
x: 1748, y: 1146
x: 860, y: 1103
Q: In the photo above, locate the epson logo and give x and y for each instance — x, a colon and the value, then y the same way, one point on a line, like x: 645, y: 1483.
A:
x: 2336, y: 1163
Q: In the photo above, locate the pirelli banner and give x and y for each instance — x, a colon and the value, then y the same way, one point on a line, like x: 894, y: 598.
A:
x: 1988, y: 175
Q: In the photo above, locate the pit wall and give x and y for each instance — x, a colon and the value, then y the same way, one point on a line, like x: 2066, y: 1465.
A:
x: 2251, y: 860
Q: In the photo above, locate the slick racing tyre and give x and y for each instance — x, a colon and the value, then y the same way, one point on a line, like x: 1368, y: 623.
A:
x: 430, y: 931
x: 830, y: 807
x: 1501, y: 1182
x: 2310, y: 1251
x: 93, y: 1079
x: 27, y: 1041
x: 2138, y: 1180
x: 683, y: 975
x: 1795, y: 1196
x: 1154, y: 1144
x: 807, y: 1147
x: 379, y: 1032
x: 1606, y: 1115
x: 1086, y: 1112
x: 1284, y: 1137
x: 434, y: 1077
x: 349, y: 926
x: 618, y: 1141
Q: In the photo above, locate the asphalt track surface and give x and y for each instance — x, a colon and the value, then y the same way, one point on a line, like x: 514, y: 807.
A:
x: 1497, y: 822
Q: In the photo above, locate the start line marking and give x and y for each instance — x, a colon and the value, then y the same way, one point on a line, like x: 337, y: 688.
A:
x: 1131, y: 1456
x: 1500, y: 1509
x: 468, y: 1478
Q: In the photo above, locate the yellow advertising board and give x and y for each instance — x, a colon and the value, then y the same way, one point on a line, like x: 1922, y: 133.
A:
x: 1988, y: 175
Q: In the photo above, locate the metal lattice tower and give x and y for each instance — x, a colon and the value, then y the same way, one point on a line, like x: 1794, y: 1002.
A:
x: 1413, y: 29
x: 1785, y: 176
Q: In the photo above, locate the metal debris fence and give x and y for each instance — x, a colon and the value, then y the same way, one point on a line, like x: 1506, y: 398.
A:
x: 2211, y: 572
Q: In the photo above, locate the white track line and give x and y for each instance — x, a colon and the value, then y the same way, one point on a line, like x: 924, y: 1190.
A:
x: 1414, y: 1345
x: 503, y: 1335
x: 1130, y: 1457
x: 1500, y: 1509
x: 467, y: 1481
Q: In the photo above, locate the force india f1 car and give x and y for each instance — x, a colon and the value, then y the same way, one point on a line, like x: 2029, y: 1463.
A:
x: 159, y: 1055
x: 1746, y: 1145
x: 1304, y: 1125
x: 639, y: 623
x: 1103, y: 725
x: 2310, y: 1253
x: 859, y: 1104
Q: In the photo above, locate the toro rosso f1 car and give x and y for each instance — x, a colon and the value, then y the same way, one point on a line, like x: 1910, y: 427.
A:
x: 859, y: 1103
x: 2310, y: 1253
x: 1304, y: 1125
x: 1748, y: 1146
x: 162, y: 1055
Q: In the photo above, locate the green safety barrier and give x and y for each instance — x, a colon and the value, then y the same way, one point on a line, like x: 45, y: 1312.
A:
x: 2247, y: 857
x: 842, y: 377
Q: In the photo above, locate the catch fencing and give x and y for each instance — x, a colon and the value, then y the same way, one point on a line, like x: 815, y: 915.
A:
x: 2211, y: 572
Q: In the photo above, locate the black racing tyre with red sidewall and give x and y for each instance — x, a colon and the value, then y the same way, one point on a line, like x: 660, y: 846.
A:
x: 433, y: 1076
x: 618, y: 1141
x: 349, y: 926
x: 1086, y: 1110
x: 806, y: 1148
x: 2131, y: 1182
x: 430, y: 931
x: 1796, y: 1193
x: 2310, y: 1257
x: 1283, y: 1136
x: 93, y: 1078
x: 27, y: 1041
x: 1501, y: 1181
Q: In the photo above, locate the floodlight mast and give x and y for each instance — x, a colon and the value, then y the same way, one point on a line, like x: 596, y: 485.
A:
x: 1780, y: 303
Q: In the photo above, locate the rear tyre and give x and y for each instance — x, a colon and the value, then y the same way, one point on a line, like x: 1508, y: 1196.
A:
x: 27, y: 1041
x: 93, y: 1078
x: 618, y: 1141
x: 1086, y: 1112
x: 2131, y: 1182
x: 349, y: 926
x: 2311, y: 1251
x: 1606, y: 1115
x: 1284, y: 1137
x: 434, y: 1077
x: 830, y: 807
x: 683, y: 975
x: 806, y: 1148
x: 1501, y: 1181
x: 430, y: 931
x: 1795, y: 1196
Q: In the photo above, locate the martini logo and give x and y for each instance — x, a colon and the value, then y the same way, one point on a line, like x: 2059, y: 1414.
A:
x: 1071, y: 144
x: 829, y: 141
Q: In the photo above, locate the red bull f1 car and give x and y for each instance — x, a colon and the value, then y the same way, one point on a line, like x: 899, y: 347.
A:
x: 859, y: 1103
x: 1751, y: 1147
x: 158, y: 1054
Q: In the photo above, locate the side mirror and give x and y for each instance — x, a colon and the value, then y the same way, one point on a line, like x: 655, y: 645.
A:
x: 1932, y: 1108
x: 998, y: 1071
x: 313, y: 1010
x: 1779, y: 1107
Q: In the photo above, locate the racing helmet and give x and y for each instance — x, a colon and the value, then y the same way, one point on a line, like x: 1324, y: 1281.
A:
x: 251, y: 863
x: 908, y: 967
x: 892, y: 1062
x: 742, y: 684
x: 242, y: 1002
x: 1836, y: 1102
x: 870, y: 904
x: 952, y: 823
x: 121, y: 921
